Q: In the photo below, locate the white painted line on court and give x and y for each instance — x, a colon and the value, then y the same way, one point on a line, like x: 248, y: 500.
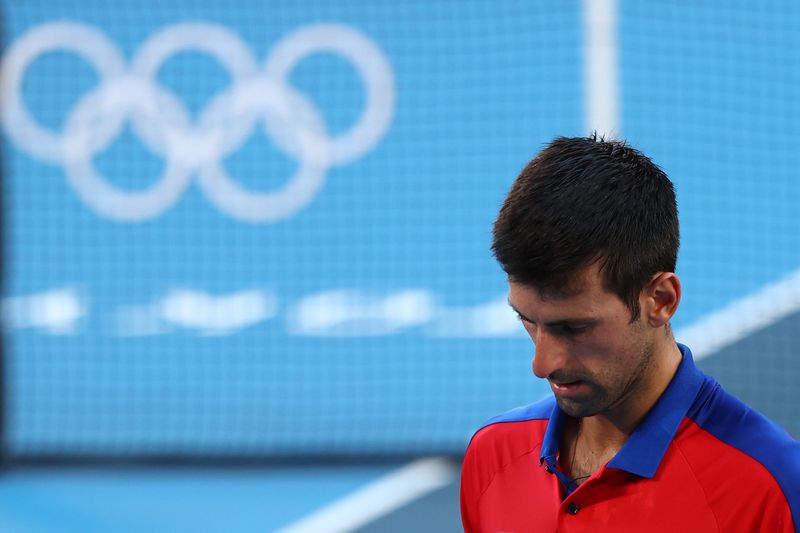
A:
x: 601, y: 99
x: 378, y: 498
x: 743, y: 317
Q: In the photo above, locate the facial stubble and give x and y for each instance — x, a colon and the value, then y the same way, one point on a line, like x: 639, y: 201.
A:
x: 604, y: 399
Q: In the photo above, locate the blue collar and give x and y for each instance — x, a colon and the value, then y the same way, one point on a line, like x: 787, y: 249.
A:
x: 645, y: 448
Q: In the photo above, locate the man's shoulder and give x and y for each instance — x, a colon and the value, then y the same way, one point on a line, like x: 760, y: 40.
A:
x: 540, y: 410
x: 741, y: 438
x: 518, y: 431
x: 506, y: 446
x: 504, y: 441
x: 735, y: 423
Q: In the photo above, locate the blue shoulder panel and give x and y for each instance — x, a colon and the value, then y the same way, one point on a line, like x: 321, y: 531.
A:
x: 738, y: 425
x: 540, y: 410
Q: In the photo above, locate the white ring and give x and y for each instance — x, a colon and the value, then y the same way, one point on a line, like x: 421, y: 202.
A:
x: 110, y: 201
x: 275, y: 104
x: 368, y: 61
x: 86, y: 42
x: 223, y: 45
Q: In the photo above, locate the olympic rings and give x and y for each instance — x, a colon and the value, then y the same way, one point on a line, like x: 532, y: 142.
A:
x: 257, y: 95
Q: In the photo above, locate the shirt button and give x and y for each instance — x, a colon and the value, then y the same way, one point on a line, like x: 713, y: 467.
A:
x: 573, y: 508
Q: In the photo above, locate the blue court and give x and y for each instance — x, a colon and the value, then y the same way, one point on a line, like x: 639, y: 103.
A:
x: 134, y: 500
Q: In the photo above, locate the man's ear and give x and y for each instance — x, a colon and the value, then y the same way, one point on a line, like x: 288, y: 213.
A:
x: 661, y: 295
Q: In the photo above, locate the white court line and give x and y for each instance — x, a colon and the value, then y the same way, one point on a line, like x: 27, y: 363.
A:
x: 601, y: 101
x: 378, y: 498
x: 743, y: 317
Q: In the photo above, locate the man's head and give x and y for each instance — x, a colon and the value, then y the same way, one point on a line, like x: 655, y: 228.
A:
x: 588, y: 236
x: 582, y: 201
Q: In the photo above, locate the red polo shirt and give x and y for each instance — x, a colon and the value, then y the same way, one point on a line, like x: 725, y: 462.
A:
x: 700, y: 461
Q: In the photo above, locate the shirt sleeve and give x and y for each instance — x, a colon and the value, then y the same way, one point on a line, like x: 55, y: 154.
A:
x: 470, y: 491
x: 765, y: 511
x: 777, y: 517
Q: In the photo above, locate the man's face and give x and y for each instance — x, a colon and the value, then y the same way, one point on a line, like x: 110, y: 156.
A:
x: 594, y: 357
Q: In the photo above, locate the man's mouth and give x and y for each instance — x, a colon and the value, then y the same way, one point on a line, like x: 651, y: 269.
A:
x: 565, y: 384
x: 566, y: 387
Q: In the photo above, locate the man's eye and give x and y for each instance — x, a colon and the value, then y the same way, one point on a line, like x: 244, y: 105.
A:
x: 569, y: 330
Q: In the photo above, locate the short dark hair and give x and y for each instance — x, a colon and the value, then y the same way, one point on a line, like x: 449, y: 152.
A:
x: 583, y: 200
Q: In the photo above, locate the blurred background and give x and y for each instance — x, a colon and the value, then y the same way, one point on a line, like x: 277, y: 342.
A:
x: 247, y: 283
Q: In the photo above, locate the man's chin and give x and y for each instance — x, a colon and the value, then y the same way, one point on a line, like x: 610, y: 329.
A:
x: 578, y: 408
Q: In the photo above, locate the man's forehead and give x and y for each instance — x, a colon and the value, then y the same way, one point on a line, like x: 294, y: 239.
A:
x: 520, y: 294
x: 579, y: 303
x: 586, y: 280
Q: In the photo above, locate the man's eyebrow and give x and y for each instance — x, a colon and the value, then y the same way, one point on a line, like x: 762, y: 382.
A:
x: 559, y: 322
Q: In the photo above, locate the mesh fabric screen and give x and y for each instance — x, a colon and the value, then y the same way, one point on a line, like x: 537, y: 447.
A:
x: 263, y: 230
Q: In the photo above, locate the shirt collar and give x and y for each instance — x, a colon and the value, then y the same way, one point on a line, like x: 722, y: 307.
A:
x: 645, y: 448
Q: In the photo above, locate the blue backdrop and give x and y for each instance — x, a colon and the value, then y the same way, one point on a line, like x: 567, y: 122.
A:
x: 265, y: 229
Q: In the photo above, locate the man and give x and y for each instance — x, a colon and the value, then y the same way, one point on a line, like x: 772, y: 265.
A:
x: 635, y: 438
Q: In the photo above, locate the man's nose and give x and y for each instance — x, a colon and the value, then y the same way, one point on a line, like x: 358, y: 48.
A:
x: 549, y: 354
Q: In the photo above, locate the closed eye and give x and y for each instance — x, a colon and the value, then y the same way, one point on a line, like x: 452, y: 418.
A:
x: 569, y: 330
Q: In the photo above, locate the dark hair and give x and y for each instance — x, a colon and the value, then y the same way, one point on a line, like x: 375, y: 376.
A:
x: 582, y: 200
